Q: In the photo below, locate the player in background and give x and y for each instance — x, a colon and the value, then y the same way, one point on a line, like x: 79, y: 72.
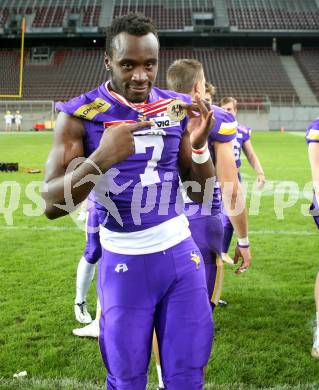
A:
x: 147, y: 273
x: 187, y: 76
x: 8, y: 118
x: 18, y: 120
x: 210, y: 92
x: 87, y: 263
x: 312, y: 138
x: 241, y: 142
x: 86, y: 270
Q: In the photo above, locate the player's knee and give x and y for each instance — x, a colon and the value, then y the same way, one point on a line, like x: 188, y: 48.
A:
x: 130, y: 383
x: 192, y: 379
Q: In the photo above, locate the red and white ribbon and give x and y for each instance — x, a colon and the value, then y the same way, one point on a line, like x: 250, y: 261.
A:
x: 146, y: 109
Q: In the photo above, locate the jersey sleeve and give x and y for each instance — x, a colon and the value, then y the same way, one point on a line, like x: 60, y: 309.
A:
x: 247, y: 134
x: 225, y: 128
x: 86, y: 106
x: 70, y: 106
x: 312, y: 134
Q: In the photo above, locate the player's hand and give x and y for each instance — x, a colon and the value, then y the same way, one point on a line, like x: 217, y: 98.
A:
x: 201, y: 121
x: 117, y: 143
x: 261, y: 180
x: 244, y: 254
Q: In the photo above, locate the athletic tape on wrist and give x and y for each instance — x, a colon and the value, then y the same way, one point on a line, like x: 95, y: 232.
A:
x: 200, y: 156
x: 243, y: 242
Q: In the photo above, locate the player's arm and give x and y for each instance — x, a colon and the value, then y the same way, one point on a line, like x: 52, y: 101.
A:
x: 116, y: 144
x: 195, y: 162
x: 254, y: 162
x: 233, y: 198
x: 313, y: 152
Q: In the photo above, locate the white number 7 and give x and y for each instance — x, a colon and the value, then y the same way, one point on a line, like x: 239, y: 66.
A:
x: 150, y: 175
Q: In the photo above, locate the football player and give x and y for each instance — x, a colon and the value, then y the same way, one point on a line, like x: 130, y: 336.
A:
x: 210, y: 92
x: 8, y: 118
x: 87, y: 263
x: 241, y: 142
x: 312, y: 138
x: 136, y: 140
x: 187, y: 76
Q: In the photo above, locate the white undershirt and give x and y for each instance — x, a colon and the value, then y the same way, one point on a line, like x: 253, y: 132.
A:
x: 151, y: 240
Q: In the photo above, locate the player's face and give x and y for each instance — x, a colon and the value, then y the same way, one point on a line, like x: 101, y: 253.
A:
x: 208, y: 98
x: 133, y: 65
x: 230, y: 107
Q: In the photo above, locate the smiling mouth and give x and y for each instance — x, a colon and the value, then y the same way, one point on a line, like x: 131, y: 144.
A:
x: 139, y: 89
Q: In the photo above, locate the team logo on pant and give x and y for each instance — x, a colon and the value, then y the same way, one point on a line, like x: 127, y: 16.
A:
x: 121, y: 268
x: 196, y: 258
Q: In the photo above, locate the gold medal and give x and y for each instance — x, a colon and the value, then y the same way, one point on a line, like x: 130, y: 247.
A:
x: 175, y: 111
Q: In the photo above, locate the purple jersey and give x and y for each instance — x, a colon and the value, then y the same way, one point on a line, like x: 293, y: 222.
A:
x: 243, y: 135
x: 224, y: 130
x: 312, y: 134
x: 147, y: 180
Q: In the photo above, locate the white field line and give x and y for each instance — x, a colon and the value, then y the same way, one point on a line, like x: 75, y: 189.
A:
x: 70, y: 228
x: 41, y: 383
x: 297, y: 133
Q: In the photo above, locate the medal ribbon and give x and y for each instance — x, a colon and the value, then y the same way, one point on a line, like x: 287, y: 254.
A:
x: 146, y: 109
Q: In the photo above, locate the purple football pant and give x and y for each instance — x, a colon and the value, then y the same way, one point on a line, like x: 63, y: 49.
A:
x: 93, y: 251
x: 166, y: 290
x: 228, y: 232
x: 207, y: 233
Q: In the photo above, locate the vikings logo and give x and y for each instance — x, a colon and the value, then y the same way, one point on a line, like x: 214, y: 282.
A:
x: 196, y: 258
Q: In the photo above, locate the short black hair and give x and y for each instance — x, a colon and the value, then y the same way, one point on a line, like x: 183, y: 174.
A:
x: 134, y: 24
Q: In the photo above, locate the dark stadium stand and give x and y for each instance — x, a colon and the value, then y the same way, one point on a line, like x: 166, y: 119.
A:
x: 47, y: 14
x: 9, y: 75
x: 174, y: 15
x: 308, y: 60
x: 273, y: 14
x: 169, y: 17
x: 302, y: 15
x: 44, y: 14
x: 163, y: 17
x: 252, y: 75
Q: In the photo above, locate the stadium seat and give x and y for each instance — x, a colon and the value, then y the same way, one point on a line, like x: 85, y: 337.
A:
x: 273, y: 14
x: 308, y: 60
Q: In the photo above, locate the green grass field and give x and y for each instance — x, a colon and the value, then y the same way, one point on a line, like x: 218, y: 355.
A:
x: 263, y: 337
